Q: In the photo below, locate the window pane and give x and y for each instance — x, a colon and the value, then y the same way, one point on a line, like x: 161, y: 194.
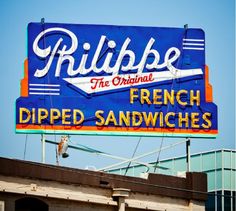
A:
x: 180, y: 164
x: 227, y: 160
x: 234, y: 200
x: 227, y: 201
x: 196, y: 163
x: 211, y: 180
x: 218, y: 160
x: 210, y: 203
x: 227, y: 180
x: 218, y: 179
x: 219, y: 202
x: 233, y: 160
x: 233, y: 179
x: 208, y: 162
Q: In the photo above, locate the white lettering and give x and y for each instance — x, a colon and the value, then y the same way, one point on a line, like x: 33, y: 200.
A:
x: 65, y: 54
x: 43, y: 53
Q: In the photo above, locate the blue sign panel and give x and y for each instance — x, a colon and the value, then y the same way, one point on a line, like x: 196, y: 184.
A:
x: 116, y: 80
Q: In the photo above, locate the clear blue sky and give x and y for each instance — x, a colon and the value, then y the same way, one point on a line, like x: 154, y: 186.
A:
x: 216, y: 18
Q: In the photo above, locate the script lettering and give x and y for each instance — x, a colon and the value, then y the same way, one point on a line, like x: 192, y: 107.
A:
x: 65, y: 54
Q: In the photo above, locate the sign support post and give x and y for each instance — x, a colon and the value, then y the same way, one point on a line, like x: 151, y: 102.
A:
x: 43, y: 147
x: 188, y: 139
x: 188, y: 154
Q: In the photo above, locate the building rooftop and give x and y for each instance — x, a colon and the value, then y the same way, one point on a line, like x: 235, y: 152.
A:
x: 194, y: 186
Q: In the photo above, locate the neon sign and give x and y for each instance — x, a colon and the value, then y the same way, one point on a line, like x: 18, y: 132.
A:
x: 116, y: 80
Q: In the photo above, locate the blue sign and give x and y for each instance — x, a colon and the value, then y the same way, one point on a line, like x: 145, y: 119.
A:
x: 116, y: 80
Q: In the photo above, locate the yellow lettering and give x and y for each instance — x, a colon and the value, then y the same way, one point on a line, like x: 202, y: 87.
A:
x: 75, y: 114
x: 194, y: 120
x: 136, y: 118
x: 167, y: 119
x: 133, y: 95
x: 206, y: 117
x: 27, y: 112
x: 149, y: 119
x: 124, y: 118
x: 54, y: 114
x: 111, y: 118
x: 33, y: 115
x: 66, y: 116
x: 178, y: 97
x: 194, y: 97
x: 157, y: 96
x: 145, y: 94
x: 169, y: 97
x: 98, y: 115
x: 161, y: 119
x: 183, y: 119
x: 42, y: 114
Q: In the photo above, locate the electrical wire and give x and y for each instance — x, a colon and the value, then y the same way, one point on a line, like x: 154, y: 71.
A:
x: 141, y: 156
x: 172, y: 85
x: 127, y: 168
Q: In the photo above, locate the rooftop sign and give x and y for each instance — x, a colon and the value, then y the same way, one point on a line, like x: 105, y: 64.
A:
x: 116, y: 80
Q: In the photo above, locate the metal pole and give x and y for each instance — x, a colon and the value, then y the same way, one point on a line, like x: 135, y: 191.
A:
x: 42, y: 135
x: 188, y: 154
x: 188, y: 139
x: 43, y: 147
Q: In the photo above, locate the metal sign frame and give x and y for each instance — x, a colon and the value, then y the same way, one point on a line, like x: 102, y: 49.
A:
x: 116, y: 80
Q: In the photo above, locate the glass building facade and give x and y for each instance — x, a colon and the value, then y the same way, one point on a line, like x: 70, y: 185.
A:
x: 219, y: 165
